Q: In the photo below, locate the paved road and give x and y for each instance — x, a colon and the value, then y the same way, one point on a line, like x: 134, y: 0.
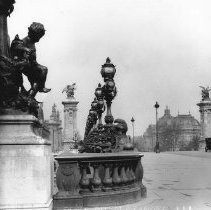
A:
x: 180, y: 180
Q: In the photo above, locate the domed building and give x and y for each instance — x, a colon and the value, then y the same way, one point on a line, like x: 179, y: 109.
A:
x: 166, y: 119
x: 175, y: 133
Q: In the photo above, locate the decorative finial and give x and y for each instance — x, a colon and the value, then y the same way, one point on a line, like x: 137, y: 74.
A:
x: 108, y: 60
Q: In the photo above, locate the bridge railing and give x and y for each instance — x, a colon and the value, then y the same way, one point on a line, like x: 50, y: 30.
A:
x: 90, y: 179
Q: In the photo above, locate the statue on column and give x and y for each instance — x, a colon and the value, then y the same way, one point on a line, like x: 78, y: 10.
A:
x: 205, y: 92
x: 69, y: 89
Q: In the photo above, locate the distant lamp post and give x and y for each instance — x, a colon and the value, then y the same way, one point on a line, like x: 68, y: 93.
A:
x: 157, y: 149
x: 132, y: 120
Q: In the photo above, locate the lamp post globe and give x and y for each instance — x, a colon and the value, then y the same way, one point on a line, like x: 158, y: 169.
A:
x: 133, y: 120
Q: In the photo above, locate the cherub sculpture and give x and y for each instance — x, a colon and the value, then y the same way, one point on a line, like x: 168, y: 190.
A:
x: 69, y: 89
x: 22, y: 60
x: 205, y: 92
x: 35, y: 72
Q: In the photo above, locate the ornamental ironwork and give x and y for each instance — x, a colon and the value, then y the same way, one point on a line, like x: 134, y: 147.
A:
x: 111, y: 136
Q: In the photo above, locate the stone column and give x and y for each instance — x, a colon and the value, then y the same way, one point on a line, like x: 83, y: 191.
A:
x: 205, y: 120
x: 6, y: 7
x: 70, y: 122
x: 25, y: 166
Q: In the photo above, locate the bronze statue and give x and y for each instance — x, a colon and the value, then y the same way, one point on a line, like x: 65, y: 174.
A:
x: 35, y: 72
x: 22, y: 60
x: 205, y: 92
x: 7, y: 6
x: 69, y: 89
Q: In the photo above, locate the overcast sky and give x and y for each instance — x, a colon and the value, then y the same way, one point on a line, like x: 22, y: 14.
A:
x: 161, y: 49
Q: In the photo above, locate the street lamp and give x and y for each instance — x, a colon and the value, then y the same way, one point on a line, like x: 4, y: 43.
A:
x: 132, y: 120
x: 157, y: 149
x: 109, y: 89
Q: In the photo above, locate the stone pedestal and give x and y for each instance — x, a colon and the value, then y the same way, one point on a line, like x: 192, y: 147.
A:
x: 25, y: 166
x: 205, y: 120
x: 70, y: 122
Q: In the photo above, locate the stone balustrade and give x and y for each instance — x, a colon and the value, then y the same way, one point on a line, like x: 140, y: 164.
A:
x: 98, y: 179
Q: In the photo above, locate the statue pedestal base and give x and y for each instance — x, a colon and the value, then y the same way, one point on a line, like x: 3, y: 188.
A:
x: 25, y: 164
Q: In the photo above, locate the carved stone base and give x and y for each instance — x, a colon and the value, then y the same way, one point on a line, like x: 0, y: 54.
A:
x: 84, y: 179
x: 65, y: 201
x: 25, y: 166
x: 97, y: 199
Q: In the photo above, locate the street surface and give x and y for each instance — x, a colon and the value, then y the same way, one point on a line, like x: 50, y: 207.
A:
x: 176, y: 180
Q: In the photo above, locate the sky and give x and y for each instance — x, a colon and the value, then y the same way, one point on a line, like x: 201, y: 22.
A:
x: 161, y: 49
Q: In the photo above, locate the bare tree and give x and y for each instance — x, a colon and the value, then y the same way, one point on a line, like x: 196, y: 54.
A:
x: 169, y: 135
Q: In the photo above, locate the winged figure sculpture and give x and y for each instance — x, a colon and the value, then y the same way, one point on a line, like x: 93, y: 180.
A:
x: 205, y: 92
x: 69, y: 89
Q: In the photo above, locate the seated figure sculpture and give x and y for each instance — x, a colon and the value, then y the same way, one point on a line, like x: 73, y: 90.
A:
x: 22, y: 60
x: 27, y: 63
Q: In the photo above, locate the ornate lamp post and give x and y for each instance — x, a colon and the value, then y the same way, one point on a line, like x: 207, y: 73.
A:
x: 157, y: 150
x: 132, y: 120
x: 93, y: 112
x: 109, y: 89
x: 100, y: 104
x: 92, y: 118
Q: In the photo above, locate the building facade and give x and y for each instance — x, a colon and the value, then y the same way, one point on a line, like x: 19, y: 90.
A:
x: 174, y: 133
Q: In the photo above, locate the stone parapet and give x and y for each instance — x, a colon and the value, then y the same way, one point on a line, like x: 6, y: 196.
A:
x: 97, y: 180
